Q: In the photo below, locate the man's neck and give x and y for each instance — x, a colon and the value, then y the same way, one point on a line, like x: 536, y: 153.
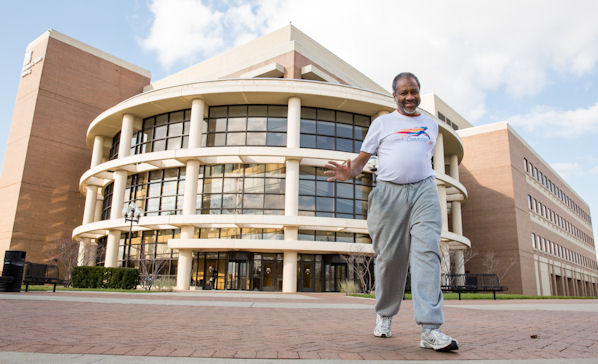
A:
x: 409, y: 115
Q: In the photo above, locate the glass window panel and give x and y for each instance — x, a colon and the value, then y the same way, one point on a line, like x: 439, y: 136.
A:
x: 251, y: 233
x: 235, y: 139
x: 213, y: 185
x: 275, y: 185
x: 307, y: 141
x: 345, y: 237
x: 180, y: 201
x: 274, y: 202
x: 325, y: 114
x: 308, y: 126
x: 239, y: 110
x: 360, y: 132
x: 231, y: 201
x: 171, y: 174
x: 257, y: 110
x: 307, y: 172
x: 277, y: 124
x: 344, y: 145
x: 253, y: 211
x: 344, y: 205
x: 154, y: 190
x: 344, y: 117
x: 233, y: 185
x: 363, y: 239
x: 152, y: 204
x: 186, y: 127
x: 325, y: 236
x: 324, y: 214
x: 160, y: 132
x: 168, y: 203
x: 169, y: 188
x: 356, y: 146
x: 361, y: 207
x: 255, y: 170
x: 213, y: 201
x: 308, y: 112
x: 325, y: 127
x: 148, y: 124
x: 175, y: 129
x: 344, y: 130
x: 176, y: 116
x: 162, y: 119
x: 253, y: 201
x: 306, y: 235
x: 254, y: 185
x: 236, y: 124
x: 215, y: 140
x: 276, y: 139
x: 277, y: 111
x: 187, y: 114
x: 307, y: 187
x: 344, y: 190
x: 323, y: 142
x: 273, y: 234
x: 256, y: 139
x: 324, y: 204
x: 324, y: 188
x: 185, y: 142
x: 233, y: 170
x: 155, y: 175
x: 159, y: 145
x: 218, y: 111
x: 257, y: 124
x: 362, y: 120
x: 275, y: 170
x: 209, y: 233
x: 362, y: 192
x: 216, y: 125
x: 307, y: 203
x: 174, y: 143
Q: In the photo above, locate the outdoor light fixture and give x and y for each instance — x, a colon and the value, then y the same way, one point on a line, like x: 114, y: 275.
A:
x: 132, y: 213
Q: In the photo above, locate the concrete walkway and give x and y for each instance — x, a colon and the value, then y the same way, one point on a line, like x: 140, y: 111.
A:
x: 222, y: 327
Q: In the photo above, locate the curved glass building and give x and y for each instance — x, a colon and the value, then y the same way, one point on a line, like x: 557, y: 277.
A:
x: 225, y: 160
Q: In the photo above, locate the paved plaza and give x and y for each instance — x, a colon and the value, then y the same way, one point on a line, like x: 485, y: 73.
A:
x: 212, y: 326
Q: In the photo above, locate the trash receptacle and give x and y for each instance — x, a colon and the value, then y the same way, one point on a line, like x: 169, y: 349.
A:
x: 14, y: 262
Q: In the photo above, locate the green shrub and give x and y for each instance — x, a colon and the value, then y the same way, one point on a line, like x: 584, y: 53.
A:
x: 102, y: 277
x: 165, y: 284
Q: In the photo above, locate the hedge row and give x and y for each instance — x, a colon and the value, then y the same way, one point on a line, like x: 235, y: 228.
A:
x: 102, y: 277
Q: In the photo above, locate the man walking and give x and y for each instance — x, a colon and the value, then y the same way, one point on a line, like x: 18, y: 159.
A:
x: 404, y: 216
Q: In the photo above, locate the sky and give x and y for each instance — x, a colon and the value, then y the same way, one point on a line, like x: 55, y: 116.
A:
x: 531, y: 63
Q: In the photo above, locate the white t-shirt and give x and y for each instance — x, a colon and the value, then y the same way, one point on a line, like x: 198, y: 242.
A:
x: 404, y: 144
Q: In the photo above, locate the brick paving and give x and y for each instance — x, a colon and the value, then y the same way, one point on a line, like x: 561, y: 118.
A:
x: 292, y: 326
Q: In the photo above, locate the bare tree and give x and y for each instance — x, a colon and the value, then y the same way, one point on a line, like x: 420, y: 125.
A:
x: 361, y: 264
x: 65, y: 254
x: 150, y: 268
x: 495, y: 265
x: 468, y: 254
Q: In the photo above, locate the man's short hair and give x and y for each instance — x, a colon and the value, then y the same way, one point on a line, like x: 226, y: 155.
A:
x: 403, y: 75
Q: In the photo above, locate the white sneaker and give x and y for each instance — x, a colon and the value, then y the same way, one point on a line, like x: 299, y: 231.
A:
x: 383, y: 326
x: 434, y: 339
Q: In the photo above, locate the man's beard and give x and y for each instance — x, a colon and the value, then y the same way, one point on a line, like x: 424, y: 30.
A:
x: 403, y: 110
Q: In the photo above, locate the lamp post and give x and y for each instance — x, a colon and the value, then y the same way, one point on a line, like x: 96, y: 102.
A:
x: 132, y: 213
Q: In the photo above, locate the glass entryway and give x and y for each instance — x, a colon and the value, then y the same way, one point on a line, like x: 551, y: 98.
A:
x: 307, y: 276
x: 334, y: 274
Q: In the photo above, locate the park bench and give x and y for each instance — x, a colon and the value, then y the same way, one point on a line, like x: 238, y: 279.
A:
x: 471, y: 282
x: 40, y: 274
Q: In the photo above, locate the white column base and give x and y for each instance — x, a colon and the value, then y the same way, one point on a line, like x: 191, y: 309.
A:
x: 289, y: 272
x: 183, y: 274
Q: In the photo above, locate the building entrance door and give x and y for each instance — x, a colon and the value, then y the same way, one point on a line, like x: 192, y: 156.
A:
x: 268, y: 275
x: 307, y: 276
x: 236, y: 276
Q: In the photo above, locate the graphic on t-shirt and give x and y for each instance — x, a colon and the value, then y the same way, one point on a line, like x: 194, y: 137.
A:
x: 415, y: 132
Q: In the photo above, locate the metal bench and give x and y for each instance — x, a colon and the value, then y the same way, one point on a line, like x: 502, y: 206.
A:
x: 40, y: 274
x: 471, y: 282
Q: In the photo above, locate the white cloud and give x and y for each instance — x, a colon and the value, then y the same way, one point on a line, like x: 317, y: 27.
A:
x: 461, y: 50
x: 567, y: 169
x: 553, y: 122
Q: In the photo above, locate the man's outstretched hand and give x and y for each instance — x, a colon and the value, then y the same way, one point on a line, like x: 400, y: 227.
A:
x: 339, y: 172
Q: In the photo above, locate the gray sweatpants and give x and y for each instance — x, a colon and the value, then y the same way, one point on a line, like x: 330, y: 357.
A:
x: 404, y: 222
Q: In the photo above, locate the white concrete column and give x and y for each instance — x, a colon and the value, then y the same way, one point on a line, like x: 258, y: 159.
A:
x: 118, y: 194
x: 454, y: 166
x: 183, y: 274
x: 293, y: 122
x: 457, y: 224
x: 112, y: 243
x: 291, y: 198
x: 444, y: 247
x: 198, y: 109
x: 99, y: 208
x: 459, y: 262
x: 190, y: 194
x: 289, y: 268
x: 90, y: 204
x: 126, y: 133
x: 98, y: 150
x: 439, y: 155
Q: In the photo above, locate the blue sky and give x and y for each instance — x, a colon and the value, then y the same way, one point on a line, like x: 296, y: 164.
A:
x: 532, y: 63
